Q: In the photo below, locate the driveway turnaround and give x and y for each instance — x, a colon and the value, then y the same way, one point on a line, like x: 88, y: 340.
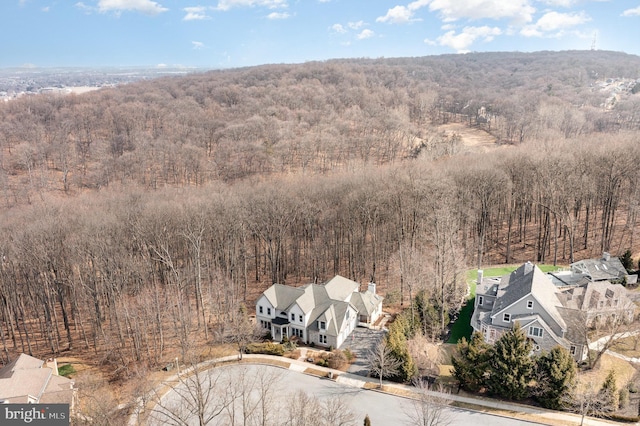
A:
x: 382, y: 408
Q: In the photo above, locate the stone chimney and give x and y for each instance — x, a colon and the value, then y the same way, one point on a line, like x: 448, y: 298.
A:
x: 480, y: 276
x: 372, y: 288
x: 606, y: 256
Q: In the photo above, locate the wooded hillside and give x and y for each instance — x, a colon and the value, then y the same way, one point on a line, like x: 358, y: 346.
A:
x: 138, y: 217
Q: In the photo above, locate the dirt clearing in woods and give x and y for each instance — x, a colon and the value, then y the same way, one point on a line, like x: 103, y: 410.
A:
x: 474, y: 139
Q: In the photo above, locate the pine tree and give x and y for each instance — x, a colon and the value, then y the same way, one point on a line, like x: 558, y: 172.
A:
x: 608, y: 394
x: 399, y: 331
x: 556, y: 377
x: 367, y: 420
x: 470, y: 366
x: 510, y: 365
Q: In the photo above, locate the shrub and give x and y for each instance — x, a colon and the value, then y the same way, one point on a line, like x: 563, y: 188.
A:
x: 66, y: 370
x: 322, y: 362
x: 337, y: 360
x: 289, y: 345
x: 349, y: 355
x: 267, y: 348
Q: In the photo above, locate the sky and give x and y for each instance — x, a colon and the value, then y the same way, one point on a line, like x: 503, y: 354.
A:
x: 238, y: 33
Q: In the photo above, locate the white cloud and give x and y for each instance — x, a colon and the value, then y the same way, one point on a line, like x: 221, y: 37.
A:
x: 84, y: 7
x: 365, y: 34
x: 560, y: 3
x: 403, y: 14
x: 276, y: 15
x: 632, y: 12
x: 462, y: 41
x: 197, y: 45
x: 148, y: 7
x: 161, y: 65
x: 195, y: 13
x: 554, y: 22
x: 225, y: 5
x: 356, y: 25
x: 338, y: 28
x: 518, y: 11
x: 46, y: 9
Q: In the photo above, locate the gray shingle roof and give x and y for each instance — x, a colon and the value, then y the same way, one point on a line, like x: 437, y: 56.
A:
x: 529, y: 279
x: 26, y: 376
x: 605, y: 268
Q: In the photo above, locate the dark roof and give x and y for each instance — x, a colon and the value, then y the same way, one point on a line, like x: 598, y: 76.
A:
x: 529, y: 279
x: 605, y: 268
x: 280, y: 321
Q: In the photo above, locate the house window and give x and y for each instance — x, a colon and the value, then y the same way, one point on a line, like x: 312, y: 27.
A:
x: 535, y: 331
x: 322, y: 325
x: 480, y: 300
x: 301, y: 320
x: 260, y: 309
x: 322, y: 338
x: 506, y: 318
x: 268, y: 311
x: 536, y: 348
x: 293, y: 317
x: 572, y: 350
x: 529, y: 304
x: 297, y: 332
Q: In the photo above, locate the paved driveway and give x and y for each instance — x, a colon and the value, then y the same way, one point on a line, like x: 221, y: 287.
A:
x: 382, y: 408
x: 361, y: 341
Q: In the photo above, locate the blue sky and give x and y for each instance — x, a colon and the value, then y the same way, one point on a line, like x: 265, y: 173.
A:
x: 236, y: 33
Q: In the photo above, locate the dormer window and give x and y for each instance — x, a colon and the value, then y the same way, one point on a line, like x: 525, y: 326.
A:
x: 506, y: 317
x: 535, y: 331
x: 529, y: 304
x: 322, y: 325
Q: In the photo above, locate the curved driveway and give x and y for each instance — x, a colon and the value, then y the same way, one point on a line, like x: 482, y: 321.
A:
x: 382, y: 408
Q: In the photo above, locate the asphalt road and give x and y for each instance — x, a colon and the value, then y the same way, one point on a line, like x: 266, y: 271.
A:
x: 383, y: 409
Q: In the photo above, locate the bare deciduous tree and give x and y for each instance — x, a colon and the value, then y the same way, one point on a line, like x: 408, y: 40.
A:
x: 429, y: 408
x: 381, y: 362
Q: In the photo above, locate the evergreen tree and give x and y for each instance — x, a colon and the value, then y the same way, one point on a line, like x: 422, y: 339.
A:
x: 608, y: 394
x: 470, y: 365
x: 367, y: 420
x: 510, y: 365
x: 556, y: 377
x: 627, y: 261
x: 399, y: 331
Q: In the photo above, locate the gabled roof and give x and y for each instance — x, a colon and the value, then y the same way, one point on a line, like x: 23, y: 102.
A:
x: 282, y: 296
x: 23, y: 362
x: 528, y: 279
x: 341, y: 288
x: 366, y: 303
x: 27, y: 376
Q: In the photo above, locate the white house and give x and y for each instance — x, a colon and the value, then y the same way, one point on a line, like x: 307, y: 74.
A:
x: 323, y: 314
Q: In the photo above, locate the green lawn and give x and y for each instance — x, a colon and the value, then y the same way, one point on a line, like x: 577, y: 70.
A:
x: 462, y: 328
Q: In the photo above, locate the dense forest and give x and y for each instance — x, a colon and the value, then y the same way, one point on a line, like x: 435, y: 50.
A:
x: 137, y: 219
